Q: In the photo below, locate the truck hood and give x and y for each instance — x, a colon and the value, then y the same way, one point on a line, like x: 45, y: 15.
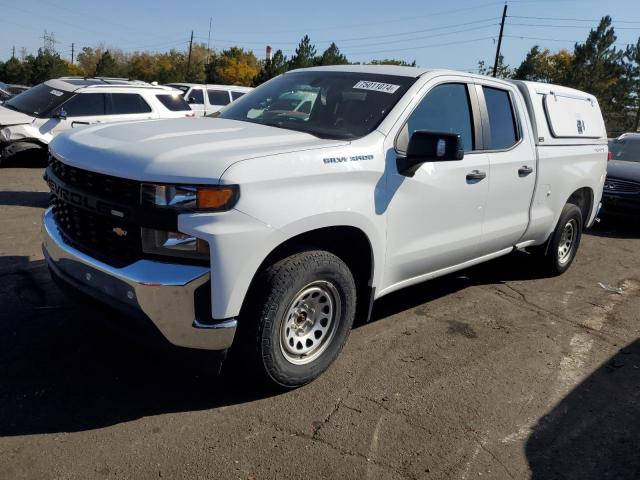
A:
x: 624, y: 170
x: 189, y: 150
x: 11, y: 117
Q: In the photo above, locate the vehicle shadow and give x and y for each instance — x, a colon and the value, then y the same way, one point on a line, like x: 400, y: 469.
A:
x: 617, y: 227
x: 25, y: 199
x: 594, y: 432
x: 516, y: 266
x: 63, y: 369
x: 32, y: 158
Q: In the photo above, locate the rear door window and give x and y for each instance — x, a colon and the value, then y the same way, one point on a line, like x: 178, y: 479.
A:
x: 218, y: 97
x: 85, y: 105
x: 502, y: 121
x: 128, y: 104
x: 236, y: 95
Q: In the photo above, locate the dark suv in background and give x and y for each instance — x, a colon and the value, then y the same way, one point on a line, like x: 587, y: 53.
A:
x: 621, y: 194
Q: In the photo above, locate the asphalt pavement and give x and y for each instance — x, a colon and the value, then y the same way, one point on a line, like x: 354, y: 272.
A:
x: 493, y: 372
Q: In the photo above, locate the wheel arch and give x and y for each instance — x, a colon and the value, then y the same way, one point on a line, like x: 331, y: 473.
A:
x: 350, y: 243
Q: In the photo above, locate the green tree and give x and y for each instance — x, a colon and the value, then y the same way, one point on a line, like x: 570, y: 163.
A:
x: 598, y: 68
x: 393, y: 61
x: 271, y: 68
x: 46, y: 65
x: 305, y: 55
x: 15, y: 71
x: 632, y: 78
x: 332, y: 56
x: 543, y: 66
x: 503, y: 71
x: 107, y: 66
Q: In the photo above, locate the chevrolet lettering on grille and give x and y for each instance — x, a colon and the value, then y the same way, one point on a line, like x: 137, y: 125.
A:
x: 84, y: 201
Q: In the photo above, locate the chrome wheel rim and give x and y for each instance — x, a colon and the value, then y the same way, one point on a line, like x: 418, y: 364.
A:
x: 567, y: 241
x: 310, y: 322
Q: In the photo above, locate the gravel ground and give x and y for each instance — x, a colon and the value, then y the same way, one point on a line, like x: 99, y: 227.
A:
x: 493, y: 372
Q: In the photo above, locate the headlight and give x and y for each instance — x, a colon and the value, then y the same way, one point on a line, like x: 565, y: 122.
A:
x: 174, y: 244
x: 190, y: 198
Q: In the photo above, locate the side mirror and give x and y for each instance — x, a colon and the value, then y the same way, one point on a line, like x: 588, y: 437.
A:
x: 425, y: 146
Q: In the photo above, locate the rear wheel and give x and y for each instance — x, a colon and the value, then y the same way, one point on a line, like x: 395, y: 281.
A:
x: 563, y: 245
x: 301, y: 317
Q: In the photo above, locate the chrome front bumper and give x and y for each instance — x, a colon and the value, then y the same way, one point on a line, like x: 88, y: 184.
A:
x: 164, y: 293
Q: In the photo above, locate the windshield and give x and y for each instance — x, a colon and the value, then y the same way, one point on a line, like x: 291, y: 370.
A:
x: 336, y: 105
x: 39, y: 100
x: 626, y: 149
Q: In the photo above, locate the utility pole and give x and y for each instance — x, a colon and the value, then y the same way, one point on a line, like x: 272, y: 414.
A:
x: 209, y: 41
x: 73, y: 46
x: 495, y: 63
x: 189, y: 59
x: 13, y: 52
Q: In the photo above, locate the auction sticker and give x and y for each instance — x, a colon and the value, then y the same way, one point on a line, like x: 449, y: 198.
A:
x: 376, y: 86
x: 57, y: 93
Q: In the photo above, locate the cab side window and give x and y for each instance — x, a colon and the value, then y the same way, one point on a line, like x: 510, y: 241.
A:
x: 196, y: 97
x: 502, y: 121
x: 445, y: 108
x: 85, y: 105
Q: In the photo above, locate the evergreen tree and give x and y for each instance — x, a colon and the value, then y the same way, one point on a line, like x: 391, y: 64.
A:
x: 332, y: 56
x: 305, y: 55
x: 271, y: 68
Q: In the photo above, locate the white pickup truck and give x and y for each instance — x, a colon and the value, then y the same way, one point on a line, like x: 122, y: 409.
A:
x: 285, y: 223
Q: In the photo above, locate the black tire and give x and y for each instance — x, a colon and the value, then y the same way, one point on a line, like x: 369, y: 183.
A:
x: 264, y: 325
x: 557, y: 260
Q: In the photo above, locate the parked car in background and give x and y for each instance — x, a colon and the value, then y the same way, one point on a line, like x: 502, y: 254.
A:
x: 621, y: 194
x: 208, y: 99
x: 9, y: 90
x: 284, y: 224
x: 33, y: 118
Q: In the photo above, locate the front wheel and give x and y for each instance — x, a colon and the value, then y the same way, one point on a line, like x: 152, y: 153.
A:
x: 564, y: 242
x: 302, y: 317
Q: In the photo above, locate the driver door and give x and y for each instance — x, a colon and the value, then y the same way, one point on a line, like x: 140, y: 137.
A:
x: 434, y: 219
x: 82, y: 109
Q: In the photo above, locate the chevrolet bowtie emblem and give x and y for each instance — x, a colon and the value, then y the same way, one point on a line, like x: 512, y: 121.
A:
x: 119, y: 231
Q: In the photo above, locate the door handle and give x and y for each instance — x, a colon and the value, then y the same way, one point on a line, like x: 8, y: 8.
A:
x: 476, y: 175
x: 524, y: 170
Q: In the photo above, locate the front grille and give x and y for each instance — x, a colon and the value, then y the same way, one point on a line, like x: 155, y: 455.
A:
x: 616, y: 185
x: 97, y: 235
x: 121, y: 190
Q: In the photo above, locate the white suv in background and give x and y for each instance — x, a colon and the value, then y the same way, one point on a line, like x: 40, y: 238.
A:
x: 33, y: 118
x: 208, y: 99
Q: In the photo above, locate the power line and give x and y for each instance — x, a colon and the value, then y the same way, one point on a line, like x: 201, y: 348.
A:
x: 571, y: 19
x: 458, y: 42
x: 565, y: 26
x: 565, y: 40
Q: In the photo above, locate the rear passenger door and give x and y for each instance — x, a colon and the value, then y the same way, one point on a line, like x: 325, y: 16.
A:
x: 127, y: 106
x: 195, y: 99
x: 217, y: 99
x: 507, y: 139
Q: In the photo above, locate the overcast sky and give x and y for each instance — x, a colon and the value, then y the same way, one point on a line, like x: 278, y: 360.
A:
x: 448, y: 34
